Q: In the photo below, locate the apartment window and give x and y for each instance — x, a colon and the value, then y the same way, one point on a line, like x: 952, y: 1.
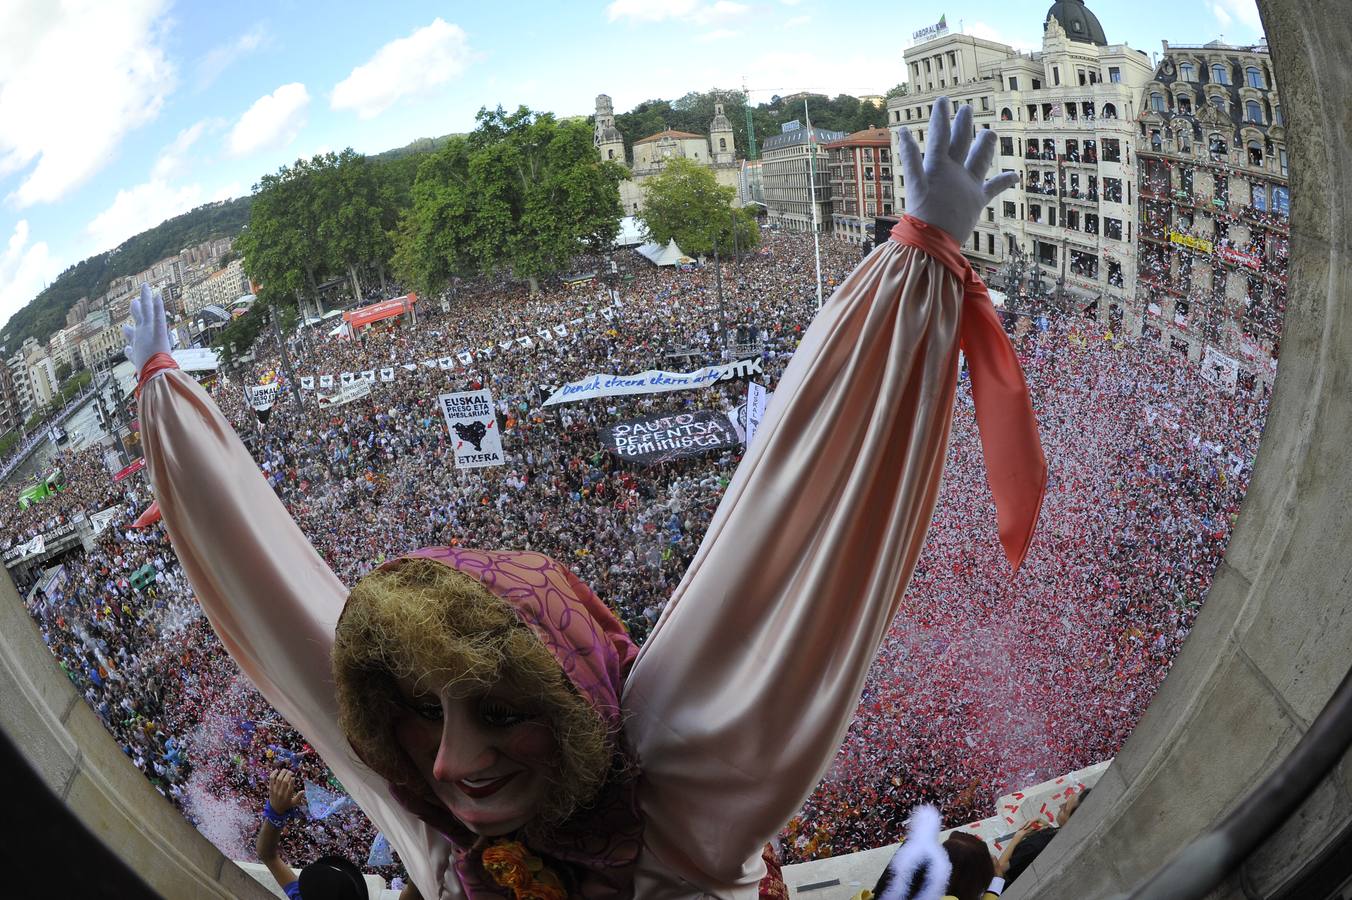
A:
x: 1219, y: 102
x: 1006, y: 146
x: 1255, y: 153
x: 1260, y: 197
x: 908, y: 114
x: 927, y: 67
x: 1253, y: 112
x: 1112, y: 190
x: 1185, y: 104
x: 944, y: 84
x: 1013, y: 83
x: 1112, y: 150
x: 1220, y: 74
x: 1114, y: 74
x: 1277, y: 116
x: 1073, y: 150
x: 985, y: 104
x: 1112, y: 228
x: 1083, y: 264
x: 1037, y: 84
x: 1157, y: 102
x: 1034, y: 212
x: 1091, y: 223
x: 939, y: 62
x: 1254, y: 77
x: 990, y: 244
x: 952, y: 59
x: 1281, y: 201
x: 1282, y: 156
x: 1187, y: 72
x: 1115, y: 273
x: 976, y: 241
x: 1073, y: 219
x: 1109, y: 111
x: 1010, y: 211
x: 1056, y: 74
x: 1006, y: 115
x: 1084, y: 79
x: 884, y: 155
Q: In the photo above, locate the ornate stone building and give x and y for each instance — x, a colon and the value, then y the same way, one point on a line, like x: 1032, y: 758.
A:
x: 1215, y: 210
x: 717, y: 151
x: 1066, y: 120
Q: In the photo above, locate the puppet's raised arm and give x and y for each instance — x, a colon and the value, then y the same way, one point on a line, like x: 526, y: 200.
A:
x: 269, y: 596
x: 739, y: 700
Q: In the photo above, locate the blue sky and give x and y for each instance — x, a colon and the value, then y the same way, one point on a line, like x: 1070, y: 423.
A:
x: 116, y: 116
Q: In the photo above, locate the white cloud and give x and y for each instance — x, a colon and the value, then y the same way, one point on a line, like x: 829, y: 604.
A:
x: 25, y: 269
x: 75, y: 78
x: 409, y: 66
x: 138, y: 208
x: 692, y: 11
x: 272, y: 122
x: 1245, y: 12
x: 223, y: 56
x: 719, y: 34
x: 797, y: 21
x: 170, y: 163
x: 986, y: 32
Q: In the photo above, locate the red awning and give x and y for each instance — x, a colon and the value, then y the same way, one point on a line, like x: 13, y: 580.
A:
x: 131, y: 469
x: 385, y: 309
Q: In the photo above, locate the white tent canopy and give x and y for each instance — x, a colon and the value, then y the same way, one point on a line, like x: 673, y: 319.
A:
x: 631, y: 232
x: 658, y: 255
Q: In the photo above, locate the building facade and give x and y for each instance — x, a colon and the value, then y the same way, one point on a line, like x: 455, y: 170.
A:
x: 1215, y: 211
x: 1066, y: 122
x: 859, y: 169
x: 222, y: 287
x: 791, y: 162
x: 716, y: 151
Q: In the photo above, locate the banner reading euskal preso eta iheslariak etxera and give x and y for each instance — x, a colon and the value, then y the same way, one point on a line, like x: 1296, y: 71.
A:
x: 473, y: 424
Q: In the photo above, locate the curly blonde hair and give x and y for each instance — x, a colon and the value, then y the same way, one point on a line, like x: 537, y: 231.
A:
x: 424, y: 620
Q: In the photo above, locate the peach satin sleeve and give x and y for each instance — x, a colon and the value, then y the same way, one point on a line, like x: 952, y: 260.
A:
x: 269, y: 596
x: 739, y: 700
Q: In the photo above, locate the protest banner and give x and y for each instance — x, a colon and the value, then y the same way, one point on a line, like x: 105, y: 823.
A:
x: 661, y: 438
x: 756, y: 399
x: 472, y: 421
x: 354, y: 391
x: 652, y: 382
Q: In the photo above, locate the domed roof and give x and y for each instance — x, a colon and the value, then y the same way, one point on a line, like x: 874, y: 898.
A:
x: 1080, y: 24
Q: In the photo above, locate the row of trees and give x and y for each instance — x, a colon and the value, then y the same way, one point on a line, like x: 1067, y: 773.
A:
x: 695, y: 111
x: 523, y: 195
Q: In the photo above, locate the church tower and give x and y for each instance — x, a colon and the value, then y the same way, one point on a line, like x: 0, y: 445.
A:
x: 609, y: 141
x: 720, y: 138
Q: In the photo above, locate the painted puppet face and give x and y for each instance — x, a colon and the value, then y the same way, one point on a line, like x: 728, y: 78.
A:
x: 487, y: 756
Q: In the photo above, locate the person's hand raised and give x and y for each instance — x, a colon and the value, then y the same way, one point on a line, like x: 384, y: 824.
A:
x: 945, y: 188
x: 148, y: 333
x: 282, y: 793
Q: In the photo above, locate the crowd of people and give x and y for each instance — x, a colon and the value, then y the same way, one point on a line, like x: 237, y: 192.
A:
x: 985, y: 682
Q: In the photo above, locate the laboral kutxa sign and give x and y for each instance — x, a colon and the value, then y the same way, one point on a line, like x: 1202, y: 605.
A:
x: 933, y: 31
x: 661, y: 438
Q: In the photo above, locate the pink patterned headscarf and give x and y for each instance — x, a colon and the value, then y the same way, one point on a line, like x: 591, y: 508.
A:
x: 601, y: 844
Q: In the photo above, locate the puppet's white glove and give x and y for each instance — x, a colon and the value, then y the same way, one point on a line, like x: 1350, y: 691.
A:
x: 149, y: 332
x: 946, y: 188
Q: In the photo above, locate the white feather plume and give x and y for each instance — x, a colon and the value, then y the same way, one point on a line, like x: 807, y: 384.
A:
x: 921, y: 847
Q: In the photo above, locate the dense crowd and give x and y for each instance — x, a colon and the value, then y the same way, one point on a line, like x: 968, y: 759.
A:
x: 984, y: 682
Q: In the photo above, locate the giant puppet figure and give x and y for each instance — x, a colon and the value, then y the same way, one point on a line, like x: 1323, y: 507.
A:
x: 492, y: 716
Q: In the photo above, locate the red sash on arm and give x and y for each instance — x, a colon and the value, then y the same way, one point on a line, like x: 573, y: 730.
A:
x: 1015, y: 466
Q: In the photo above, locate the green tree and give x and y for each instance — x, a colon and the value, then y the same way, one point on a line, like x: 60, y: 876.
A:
x: 901, y: 89
x: 349, y: 215
x: 523, y: 193
x: 283, y: 252
x: 63, y: 372
x: 685, y: 203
